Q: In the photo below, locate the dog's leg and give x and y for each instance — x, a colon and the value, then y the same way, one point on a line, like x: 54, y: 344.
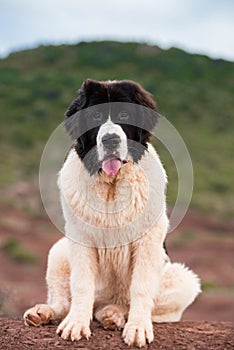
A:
x: 57, y: 277
x: 178, y: 289
x: 143, y: 289
x: 82, y: 284
x: 111, y: 316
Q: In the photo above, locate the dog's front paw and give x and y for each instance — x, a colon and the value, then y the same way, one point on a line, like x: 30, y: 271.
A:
x: 74, y: 328
x: 138, y: 332
x: 38, y: 315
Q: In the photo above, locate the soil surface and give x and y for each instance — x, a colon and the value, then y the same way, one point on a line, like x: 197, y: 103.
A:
x: 182, y: 336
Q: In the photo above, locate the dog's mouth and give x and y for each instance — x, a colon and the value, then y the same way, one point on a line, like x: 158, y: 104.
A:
x: 111, y: 166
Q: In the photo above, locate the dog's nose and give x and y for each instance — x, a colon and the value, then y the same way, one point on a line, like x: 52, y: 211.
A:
x: 111, y: 141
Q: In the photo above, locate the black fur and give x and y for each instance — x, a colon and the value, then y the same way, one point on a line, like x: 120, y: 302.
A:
x: 97, y: 96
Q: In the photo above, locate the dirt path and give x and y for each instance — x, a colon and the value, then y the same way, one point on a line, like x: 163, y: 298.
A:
x: 178, y: 336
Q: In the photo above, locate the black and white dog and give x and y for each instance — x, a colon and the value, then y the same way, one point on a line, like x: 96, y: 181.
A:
x: 112, y: 263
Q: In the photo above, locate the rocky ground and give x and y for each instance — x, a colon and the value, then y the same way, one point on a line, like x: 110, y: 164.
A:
x: 171, y: 336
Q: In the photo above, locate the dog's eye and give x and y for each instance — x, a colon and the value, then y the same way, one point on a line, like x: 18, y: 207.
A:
x: 123, y: 115
x: 97, y: 116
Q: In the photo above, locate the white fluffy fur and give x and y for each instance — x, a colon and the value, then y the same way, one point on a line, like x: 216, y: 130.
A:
x: 129, y: 285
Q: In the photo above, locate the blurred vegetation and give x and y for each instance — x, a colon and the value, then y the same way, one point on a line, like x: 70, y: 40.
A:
x: 194, y: 92
x: 17, y: 252
x: 213, y: 286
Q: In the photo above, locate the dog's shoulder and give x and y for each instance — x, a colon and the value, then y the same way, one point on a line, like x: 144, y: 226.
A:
x: 153, y: 166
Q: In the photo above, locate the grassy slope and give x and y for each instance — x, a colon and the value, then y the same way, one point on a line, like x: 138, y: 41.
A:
x: 194, y: 92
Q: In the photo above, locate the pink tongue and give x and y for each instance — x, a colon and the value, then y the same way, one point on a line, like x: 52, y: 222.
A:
x: 111, y: 166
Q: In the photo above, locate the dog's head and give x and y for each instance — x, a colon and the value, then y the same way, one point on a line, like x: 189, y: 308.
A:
x: 111, y: 122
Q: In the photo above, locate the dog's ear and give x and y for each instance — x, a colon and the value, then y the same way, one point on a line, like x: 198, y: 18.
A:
x: 74, y: 122
x: 87, y: 89
x: 71, y: 124
x: 78, y: 103
x: 144, y: 98
x: 148, y: 115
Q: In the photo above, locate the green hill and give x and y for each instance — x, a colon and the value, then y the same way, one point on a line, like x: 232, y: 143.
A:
x: 194, y: 92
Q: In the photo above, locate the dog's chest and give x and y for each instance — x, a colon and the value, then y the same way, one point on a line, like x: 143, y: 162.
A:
x: 114, y: 264
x: 103, y: 211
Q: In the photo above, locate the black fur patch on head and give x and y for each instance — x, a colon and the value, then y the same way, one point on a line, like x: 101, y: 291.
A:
x: 94, y: 96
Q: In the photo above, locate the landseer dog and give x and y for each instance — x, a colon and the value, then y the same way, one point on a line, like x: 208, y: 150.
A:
x: 112, y: 263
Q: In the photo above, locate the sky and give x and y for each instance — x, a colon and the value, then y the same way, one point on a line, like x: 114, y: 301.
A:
x: 197, y: 26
